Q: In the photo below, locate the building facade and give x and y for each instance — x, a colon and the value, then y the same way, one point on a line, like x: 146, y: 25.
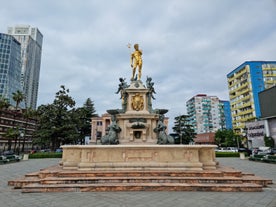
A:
x: 205, y: 138
x: 10, y: 67
x: 207, y: 113
x: 255, y: 132
x: 244, y: 84
x: 268, y: 111
x: 24, y: 126
x: 227, y: 114
x: 31, y: 49
x: 98, y: 127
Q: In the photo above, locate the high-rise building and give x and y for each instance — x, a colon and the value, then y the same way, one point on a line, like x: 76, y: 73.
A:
x: 31, y: 48
x: 10, y: 67
x: 244, y: 84
x: 226, y: 119
x: 207, y: 113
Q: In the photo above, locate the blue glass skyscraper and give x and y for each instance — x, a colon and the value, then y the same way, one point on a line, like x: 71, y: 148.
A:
x: 10, y: 66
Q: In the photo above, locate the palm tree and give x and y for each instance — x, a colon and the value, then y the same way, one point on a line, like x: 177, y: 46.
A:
x: 18, y: 97
x: 28, y: 114
x: 11, y: 134
x: 4, y: 103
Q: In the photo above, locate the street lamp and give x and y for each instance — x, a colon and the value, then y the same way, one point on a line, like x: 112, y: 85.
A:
x: 21, y: 135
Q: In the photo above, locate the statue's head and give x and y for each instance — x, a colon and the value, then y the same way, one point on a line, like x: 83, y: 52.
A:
x: 113, y: 118
x: 136, y: 47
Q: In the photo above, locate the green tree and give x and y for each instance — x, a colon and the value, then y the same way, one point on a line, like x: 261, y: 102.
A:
x: 82, y: 118
x: 60, y: 123
x: 44, y: 133
x: 183, y: 128
x: 18, y: 97
x: 4, y: 103
x: 269, y: 142
x: 56, y: 121
x: 227, y: 138
x: 11, y: 134
x: 28, y: 114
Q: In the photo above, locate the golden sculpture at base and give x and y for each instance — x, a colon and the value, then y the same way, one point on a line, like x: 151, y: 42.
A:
x: 136, y: 61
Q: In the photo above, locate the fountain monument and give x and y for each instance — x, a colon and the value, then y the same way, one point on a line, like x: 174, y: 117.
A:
x: 137, y: 136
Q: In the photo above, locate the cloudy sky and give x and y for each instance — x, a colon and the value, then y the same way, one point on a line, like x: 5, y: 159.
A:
x: 188, y: 46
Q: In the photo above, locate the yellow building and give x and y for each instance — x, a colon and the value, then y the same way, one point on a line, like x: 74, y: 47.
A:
x: 244, y: 84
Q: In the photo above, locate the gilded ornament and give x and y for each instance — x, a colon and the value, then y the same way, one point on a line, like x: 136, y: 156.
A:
x: 137, y: 102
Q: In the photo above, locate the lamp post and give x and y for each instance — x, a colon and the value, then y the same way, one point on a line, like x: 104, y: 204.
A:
x: 21, y: 135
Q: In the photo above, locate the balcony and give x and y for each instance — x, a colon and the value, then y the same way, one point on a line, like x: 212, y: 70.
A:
x: 270, y: 81
x: 246, y: 119
x: 250, y: 111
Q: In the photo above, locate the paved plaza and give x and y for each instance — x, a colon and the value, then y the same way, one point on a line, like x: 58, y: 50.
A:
x: 14, y: 198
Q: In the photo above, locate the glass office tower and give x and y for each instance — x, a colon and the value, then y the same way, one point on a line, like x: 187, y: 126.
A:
x: 10, y: 67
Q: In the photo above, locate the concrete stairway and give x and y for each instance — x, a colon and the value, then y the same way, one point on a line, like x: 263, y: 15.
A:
x: 55, y: 179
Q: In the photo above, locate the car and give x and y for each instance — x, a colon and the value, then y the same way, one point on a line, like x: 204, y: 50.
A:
x: 273, y: 151
x: 12, y: 158
x: 45, y: 150
x: 3, y: 159
x: 59, y: 150
x: 263, y: 151
x: 232, y: 149
x: 227, y: 149
x: 8, y: 152
x: 248, y: 151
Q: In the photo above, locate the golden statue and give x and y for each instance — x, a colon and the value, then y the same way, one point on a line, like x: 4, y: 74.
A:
x: 136, y: 60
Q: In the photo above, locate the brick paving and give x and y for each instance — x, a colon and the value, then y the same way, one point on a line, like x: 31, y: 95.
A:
x: 14, y: 198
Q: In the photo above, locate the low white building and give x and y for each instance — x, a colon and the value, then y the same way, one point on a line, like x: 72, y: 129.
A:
x: 255, y: 133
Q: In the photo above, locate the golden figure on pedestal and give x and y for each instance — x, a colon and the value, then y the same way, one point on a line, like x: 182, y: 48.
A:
x: 136, y: 61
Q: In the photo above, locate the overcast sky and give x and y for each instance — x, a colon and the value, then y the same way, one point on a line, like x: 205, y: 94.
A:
x: 188, y: 46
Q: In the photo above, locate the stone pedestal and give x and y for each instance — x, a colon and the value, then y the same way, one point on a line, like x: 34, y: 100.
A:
x: 137, y: 128
x: 139, y: 157
x: 137, y: 121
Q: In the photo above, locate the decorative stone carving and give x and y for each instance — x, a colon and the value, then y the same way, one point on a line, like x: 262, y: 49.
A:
x: 113, y: 129
x: 162, y: 136
x: 137, y: 102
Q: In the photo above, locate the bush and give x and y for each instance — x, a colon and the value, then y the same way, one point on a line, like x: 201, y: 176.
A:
x: 227, y: 154
x: 272, y: 157
x: 264, y: 158
x: 259, y: 156
x: 41, y: 155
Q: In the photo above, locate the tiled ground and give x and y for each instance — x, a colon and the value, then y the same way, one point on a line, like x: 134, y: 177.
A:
x: 14, y: 198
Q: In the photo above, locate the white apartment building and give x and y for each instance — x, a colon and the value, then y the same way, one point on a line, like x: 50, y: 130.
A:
x: 207, y: 113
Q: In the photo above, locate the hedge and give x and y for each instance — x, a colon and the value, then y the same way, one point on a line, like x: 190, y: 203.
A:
x: 264, y: 158
x: 40, y: 155
x: 227, y: 154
